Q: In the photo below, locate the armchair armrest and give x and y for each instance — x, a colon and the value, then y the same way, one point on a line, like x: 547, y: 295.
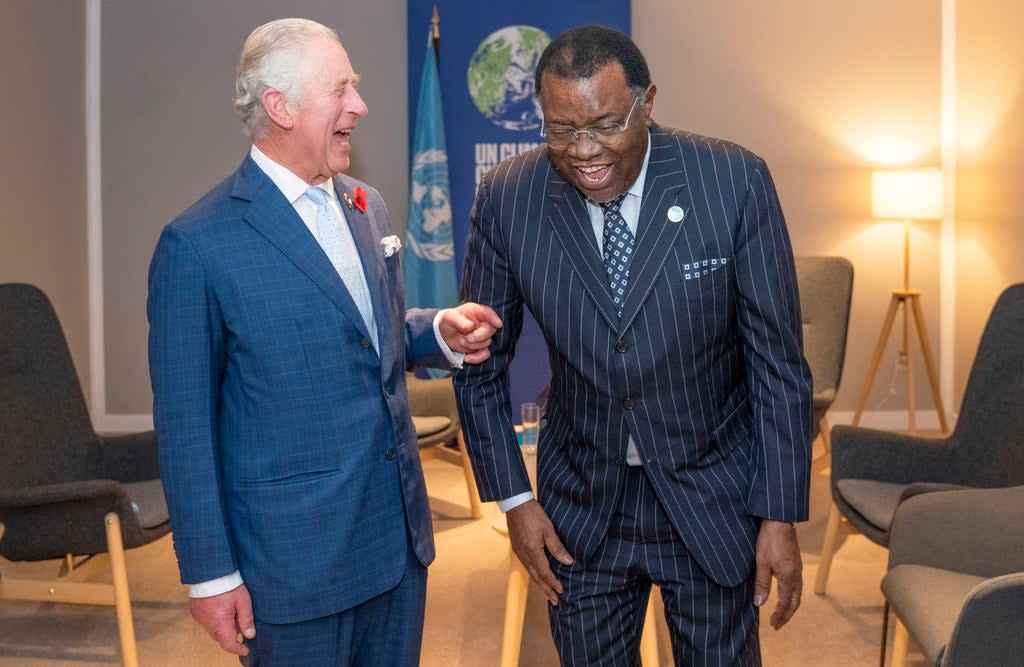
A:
x: 884, y: 456
x: 128, y: 458
x: 976, y: 531
x: 990, y: 626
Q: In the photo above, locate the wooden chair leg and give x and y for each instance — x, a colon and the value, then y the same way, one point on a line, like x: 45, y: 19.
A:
x: 649, y: 636
x: 885, y: 634
x: 900, y: 644
x: 122, y: 602
x: 467, y: 467
x: 826, y: 435
x: 828, y: 549
x: 515, y: 611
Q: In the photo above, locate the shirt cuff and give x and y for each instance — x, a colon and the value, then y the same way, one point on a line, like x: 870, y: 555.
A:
x: 515, y: 501
x: 454, y: 358
x: 206, y: 589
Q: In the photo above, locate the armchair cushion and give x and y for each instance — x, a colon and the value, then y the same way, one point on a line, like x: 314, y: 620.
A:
x: 928, y: 601
x: 876, y: 501
x: 430, y: 425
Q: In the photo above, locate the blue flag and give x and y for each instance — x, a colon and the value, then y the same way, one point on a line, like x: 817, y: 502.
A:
x: 430, y: 250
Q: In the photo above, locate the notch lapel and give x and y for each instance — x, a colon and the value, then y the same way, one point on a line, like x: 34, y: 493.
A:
x: 664, y: 187
x: 364, y: 226
x: 275, y: 219
x: 572, y: 227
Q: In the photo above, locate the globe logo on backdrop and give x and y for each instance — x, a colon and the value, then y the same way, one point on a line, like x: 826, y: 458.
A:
x: 500, y: 76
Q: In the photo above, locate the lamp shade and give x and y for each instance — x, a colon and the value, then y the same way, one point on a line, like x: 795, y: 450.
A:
x: 907, y: 194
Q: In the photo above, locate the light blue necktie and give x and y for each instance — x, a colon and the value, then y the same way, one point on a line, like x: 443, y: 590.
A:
x: 336, y: 240
x: 618, y: 250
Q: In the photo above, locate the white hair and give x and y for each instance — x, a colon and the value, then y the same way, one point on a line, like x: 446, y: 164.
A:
x: 273, y: 57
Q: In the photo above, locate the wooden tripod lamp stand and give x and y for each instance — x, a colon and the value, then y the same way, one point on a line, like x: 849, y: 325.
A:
x: 906, y: 194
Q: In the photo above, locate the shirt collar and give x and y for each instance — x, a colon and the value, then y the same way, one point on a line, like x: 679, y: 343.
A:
x: 287, y: 182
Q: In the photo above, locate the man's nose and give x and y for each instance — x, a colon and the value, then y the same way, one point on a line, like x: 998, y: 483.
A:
x: 357, y: 105
x: 584, y: 147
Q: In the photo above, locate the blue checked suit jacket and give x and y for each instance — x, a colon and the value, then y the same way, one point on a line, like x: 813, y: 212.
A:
x: 704, y: 369
x: 286, y: 447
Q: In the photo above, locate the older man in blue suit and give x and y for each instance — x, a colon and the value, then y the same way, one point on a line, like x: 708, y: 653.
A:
x: 677, y: 445
x: 279, y: 342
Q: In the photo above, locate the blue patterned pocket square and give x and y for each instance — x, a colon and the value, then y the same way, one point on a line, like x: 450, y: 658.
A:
x: 703, y: 267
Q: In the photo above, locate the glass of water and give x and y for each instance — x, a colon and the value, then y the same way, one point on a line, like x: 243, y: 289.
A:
x: 530, y: 413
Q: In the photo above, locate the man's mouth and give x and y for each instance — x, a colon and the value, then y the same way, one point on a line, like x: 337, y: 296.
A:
x: 594, y: 174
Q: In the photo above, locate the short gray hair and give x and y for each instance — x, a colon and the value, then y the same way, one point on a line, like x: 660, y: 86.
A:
x: 273, y: 57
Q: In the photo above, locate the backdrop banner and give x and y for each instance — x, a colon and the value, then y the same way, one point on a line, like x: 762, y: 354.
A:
x: 488, y: 53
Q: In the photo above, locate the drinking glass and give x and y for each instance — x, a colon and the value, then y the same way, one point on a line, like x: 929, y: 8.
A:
x: 530, y: 413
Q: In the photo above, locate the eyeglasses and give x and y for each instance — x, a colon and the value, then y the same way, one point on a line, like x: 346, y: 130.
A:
x: 607, y: 134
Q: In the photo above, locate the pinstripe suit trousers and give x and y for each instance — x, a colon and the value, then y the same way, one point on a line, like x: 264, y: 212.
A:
x: 600, y: 615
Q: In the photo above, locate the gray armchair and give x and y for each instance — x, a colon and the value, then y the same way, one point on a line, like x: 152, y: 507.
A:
x: 66, y: 492
x: 956, y: 577
x: 874, y: 471
x: 826, y: 289
x: 436, y: 419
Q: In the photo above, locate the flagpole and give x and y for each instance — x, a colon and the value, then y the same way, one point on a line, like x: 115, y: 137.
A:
x: 435, y: 32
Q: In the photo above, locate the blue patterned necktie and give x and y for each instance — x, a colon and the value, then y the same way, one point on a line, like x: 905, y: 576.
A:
x: 618, y: 250
x: 336, y: 240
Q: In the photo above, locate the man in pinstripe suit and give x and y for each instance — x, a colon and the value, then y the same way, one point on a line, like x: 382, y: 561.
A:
x: 677, y: 445
x: 278, y: 352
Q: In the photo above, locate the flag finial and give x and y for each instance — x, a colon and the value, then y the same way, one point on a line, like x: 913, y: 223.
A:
x: 435, y: 21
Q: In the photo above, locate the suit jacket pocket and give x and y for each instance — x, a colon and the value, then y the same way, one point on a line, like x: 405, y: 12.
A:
x: 290, y: 479
x: 733, y: 430
x: 706, y: 278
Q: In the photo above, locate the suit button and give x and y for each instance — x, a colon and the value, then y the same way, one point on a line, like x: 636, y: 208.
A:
x: 365, y: 342
x: 386, y: 390
x: 628, y: 403
x: 390, y: 454
x: 621, y: 346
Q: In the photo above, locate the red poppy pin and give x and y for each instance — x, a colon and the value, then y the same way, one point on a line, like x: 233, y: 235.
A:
x: 358, y: 199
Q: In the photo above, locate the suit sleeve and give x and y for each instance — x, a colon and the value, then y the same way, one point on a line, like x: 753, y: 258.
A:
x: 186, y: 360
x: 482, y: 389
x: 772, y: 332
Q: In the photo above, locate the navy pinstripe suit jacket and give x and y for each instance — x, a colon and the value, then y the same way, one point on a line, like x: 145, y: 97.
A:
x: 286, y: 447
x: 704, y: 370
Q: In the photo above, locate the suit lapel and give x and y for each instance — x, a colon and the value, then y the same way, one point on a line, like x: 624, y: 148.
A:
x: 362, y: 226
x: 664, y: 187
x: 571, y: 224
x: 275, y: 219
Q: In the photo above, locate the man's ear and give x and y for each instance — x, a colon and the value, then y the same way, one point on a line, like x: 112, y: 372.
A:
x: 652, y: 90
x: 277, y: 108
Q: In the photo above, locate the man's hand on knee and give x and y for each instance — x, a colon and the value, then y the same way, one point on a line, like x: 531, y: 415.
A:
x: 533, y: 537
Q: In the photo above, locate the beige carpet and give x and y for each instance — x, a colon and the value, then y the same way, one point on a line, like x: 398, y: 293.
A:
x: 465, y: 603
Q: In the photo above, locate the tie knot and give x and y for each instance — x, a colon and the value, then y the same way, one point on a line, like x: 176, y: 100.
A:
x: 612, y: 207
x: 318, y: 195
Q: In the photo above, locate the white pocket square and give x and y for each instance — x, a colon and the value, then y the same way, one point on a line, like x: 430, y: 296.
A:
x: 391, y: 245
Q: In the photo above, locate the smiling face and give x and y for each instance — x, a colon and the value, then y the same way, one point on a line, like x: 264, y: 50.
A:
x: 318, y: 142
x: 600, y: 172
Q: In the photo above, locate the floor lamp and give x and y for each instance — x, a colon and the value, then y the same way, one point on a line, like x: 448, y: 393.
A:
x: 906, y: 194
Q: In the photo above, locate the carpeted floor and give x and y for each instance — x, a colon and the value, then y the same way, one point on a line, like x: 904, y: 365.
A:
x: 465, y: 603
